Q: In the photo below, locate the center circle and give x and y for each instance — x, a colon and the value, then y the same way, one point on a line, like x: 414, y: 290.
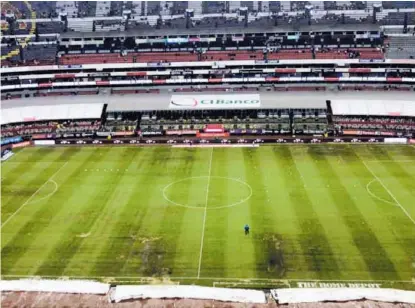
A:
x: 208, y: 188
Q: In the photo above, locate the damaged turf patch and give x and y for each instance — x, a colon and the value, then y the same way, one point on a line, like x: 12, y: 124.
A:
x: 83, y: 235
x: 275, y: 258
x: 152, y: 258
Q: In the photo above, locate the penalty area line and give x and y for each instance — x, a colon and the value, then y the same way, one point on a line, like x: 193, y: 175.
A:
x: 389, y: 192
x: 204, y: 215
x: 31, y: 197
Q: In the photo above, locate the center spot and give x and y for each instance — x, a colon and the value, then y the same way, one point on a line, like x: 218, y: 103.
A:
x: 212, y: 192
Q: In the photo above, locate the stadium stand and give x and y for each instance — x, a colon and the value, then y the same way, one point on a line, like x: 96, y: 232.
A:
x: 100, y: 48
x: 209, y: 74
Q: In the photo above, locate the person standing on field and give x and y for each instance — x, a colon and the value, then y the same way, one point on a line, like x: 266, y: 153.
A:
x: 246, y: 228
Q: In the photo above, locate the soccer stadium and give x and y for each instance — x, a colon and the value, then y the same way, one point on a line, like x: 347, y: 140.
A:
x: 207, y: 153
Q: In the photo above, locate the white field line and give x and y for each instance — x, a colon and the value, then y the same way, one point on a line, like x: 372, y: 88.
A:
x: 375, y: 196
x: 231, y: 283
x: 227, y: 283
x: 49, y: 194
x: 389, y: 192
x: 204, y: 215
x: 216, y: 279
x: 31, y: 197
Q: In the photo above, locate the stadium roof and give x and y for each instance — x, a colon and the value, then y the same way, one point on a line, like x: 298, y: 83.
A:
x: 161, y: 101
x: 374, y: 108
x: 50, y: 112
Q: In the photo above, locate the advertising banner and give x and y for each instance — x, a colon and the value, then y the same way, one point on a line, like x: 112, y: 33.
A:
x: 367, y: 133
x: 10, y: 140
x: 103, y: 134
x: 21, y: 144
x: 387, y: 133
x: 6, y: 155
x: 223, y: 101
x: 177, y: 40
x: 267, y: 61
x: 125, y: 133
x: 154, y: 133
x: 87, y: 135
x: 43, y: 136
x: 259, y: 131
x: 396, y: 140
x: 371, y: 60
x: 212, y: 135
x: 44, y: 142
x: 214, y: 128
x: 182, y: 132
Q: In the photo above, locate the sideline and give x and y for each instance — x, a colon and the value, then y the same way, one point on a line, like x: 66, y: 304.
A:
x: 215, y: 279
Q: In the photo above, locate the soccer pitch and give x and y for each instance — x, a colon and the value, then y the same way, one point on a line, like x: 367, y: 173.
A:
x: 146, y: 214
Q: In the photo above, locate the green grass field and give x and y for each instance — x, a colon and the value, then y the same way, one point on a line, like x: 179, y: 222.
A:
x: 135, y: 214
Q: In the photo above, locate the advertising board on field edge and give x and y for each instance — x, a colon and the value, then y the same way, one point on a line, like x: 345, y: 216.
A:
x: 396, y: 140
x: 44, y: 142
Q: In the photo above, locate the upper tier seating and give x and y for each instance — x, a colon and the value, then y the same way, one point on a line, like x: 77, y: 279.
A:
x: 284, y: 54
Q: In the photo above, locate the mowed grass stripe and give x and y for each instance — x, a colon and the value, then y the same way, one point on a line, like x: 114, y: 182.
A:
x: 355, y: 178
x: 60, y: 256
x: 227, y: 251
x: 398, y: 177
x: 313, y: 239
x: 181, y: 228
x: 385, y: 213
x: 240, y: 254
x: 348, y: 257
x: 16, y: 242
x: 396, y: 170
x: 148, y: 251
x: 284, y: 218
x: 393, y: 228
x: 47, y: 169
x: 95, y: 237
x: 216, y: 224
x: 154, y: 251
x: 13, y: 170
x: 66, y: 204
x: 29, y: 177
x: 372, y: 251
x: 269, y: 258
x: 115, y: 252
x: 234, y: 251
